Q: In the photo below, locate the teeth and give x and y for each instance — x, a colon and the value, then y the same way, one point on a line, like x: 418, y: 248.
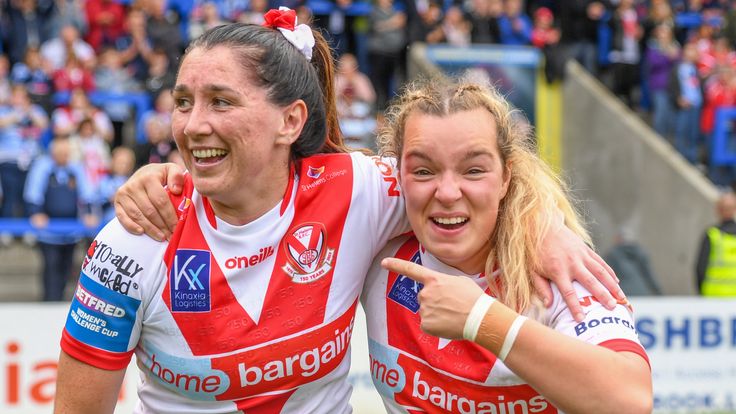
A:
x: 208, y: 153
x: 450, y: 220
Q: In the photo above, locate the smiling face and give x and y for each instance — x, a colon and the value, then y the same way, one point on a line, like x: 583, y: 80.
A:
x: 453, y: 179
x: 233, y: 140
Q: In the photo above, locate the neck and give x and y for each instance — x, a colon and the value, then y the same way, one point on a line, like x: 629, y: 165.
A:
x: 254, y: 199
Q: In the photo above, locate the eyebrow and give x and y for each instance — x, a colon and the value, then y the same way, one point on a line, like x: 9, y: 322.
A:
x: 209, y: 87
x: 468, y: 155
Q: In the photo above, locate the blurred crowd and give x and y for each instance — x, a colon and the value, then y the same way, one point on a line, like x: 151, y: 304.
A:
x: 85, y: 84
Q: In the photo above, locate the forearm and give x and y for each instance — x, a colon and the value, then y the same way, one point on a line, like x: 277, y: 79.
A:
x: 575, y: 376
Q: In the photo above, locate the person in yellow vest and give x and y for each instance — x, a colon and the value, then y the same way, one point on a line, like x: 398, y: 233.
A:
x: 716, y: 267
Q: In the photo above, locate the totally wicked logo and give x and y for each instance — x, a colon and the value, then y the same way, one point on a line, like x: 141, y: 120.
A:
x: 113, y: 270
x: 308, y: 256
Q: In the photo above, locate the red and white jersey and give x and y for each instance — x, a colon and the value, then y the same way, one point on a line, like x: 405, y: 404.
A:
x: 417, y: 372
x: 254, y: 318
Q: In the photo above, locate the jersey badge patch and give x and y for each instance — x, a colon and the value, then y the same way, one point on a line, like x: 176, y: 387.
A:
x: 313, y: 172
x: 404, y: 290
x: 190, y: 281
x: 308, y: 257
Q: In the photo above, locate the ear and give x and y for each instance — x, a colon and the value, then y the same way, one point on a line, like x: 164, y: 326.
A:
x: 506, y: 179
x: 293, y: 120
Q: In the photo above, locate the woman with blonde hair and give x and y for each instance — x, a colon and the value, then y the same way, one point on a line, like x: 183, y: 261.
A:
x: 466, y: 331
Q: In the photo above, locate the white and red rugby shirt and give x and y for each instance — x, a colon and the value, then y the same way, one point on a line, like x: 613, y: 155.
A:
x: 254, y: 318
x: 417, y: 372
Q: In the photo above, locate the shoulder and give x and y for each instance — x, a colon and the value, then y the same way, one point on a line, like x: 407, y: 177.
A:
x: 121, y: 261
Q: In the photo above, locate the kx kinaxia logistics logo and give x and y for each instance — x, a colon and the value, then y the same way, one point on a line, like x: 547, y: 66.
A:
x: 190, y: 281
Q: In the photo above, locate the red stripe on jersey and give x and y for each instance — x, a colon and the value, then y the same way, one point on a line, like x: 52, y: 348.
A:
x: 289, y: 307
x: 624, y: 345
x: 462, y: 358
x: 99, y: 358
x: 435, y: 392
x: 289, y: 188
x: 320, y: 202
x: 285, y: 365
x: 269, y: 404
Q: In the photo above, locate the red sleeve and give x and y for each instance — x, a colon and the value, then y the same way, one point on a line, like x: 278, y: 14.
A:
x: 99, y: 358
x: 624, y: 345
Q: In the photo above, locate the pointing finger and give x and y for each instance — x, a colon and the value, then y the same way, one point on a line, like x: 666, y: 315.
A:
x: 412, y: 270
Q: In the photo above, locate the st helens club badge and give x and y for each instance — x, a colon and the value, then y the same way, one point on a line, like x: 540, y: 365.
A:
x: 308, y: 257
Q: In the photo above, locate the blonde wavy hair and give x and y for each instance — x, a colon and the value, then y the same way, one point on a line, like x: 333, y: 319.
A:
x: 536, y: 195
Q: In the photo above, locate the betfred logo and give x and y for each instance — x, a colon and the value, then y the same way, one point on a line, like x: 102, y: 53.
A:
x: 190, y: 281
x: 308, y: 257
x: 96, y: 304
x: 243, y: 262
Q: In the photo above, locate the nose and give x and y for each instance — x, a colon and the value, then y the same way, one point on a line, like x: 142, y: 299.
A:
x: 197, y: 121
x: 448, y: 188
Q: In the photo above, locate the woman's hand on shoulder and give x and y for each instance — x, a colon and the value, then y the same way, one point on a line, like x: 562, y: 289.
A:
x: 142, y: 204
x: 565, y: 258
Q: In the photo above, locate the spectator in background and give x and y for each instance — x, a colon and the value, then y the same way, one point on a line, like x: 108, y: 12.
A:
x: 206, y: 16
x: 355, y: 103
x: 716, y: 264
x: 135, y: 44
x: 625, y: 54
x: 163, y: 106
x: 112, y: 77
x: 4, y: 79
x: 35, y: 74
x: 58, y: 188
x: 158, y: 145
x: 729, y: 23
x: 254, y: 13
x: 685, y: 91
x: 720, y: 91
x: 425, y: 26
x: 630, y: 262
x: 386, y: 49
x: 660, y: 12
x: 57, y: 49
x: 65, y: 119
x: 121, y: 168
x: 546, y: 36
x: 515, y: 26
x: 161, y: 74
x: 483, y: 17
x: 21, y: 125
x: 455, y: 27
x: 661, y: 56
x: 28, y: 25
x: 720, y: 54
x: 88, y: 148
x: 70, y: 12
x: 74, y: 74
x: 162, y: 29
x: 106, y: 20
x: 579, y: 30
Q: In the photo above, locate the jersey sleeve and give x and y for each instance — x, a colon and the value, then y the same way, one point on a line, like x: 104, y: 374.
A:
x: 378, y: 195
x: 613, y: 329
x: 104, y: 320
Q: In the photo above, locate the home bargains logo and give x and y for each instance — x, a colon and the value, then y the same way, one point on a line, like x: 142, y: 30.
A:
x: 190, y: 281
x: 308, y: 258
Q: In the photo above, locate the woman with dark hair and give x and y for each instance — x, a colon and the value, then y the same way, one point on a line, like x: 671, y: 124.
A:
x: 249, y: 303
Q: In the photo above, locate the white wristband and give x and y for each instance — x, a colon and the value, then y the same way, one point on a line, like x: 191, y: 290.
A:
x: 476, y: 315
x: 508, y: 342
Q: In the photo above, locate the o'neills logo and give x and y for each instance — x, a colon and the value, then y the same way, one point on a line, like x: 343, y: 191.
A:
x: 308, y: 258
x: 242, y: 262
